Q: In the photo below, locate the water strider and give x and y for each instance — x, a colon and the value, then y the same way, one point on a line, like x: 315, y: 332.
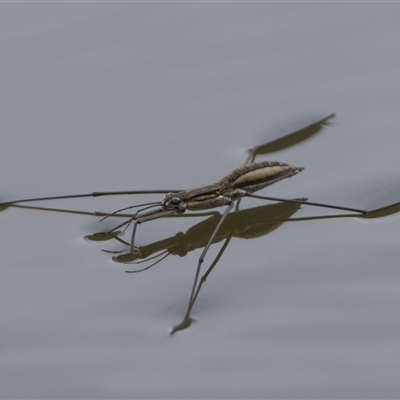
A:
x: 242, y: 182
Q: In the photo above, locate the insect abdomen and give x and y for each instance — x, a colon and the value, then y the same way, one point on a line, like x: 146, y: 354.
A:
x: 256, y: 176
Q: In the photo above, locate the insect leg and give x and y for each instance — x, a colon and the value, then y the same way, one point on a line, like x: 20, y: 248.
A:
x: 309, y: 203
x: 187, y: 321
x: 144, y: 218
x: 193, y: 293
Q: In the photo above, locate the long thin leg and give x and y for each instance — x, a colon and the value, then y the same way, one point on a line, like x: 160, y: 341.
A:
x: 187, y: 321
x: 127, y: 222
x: 309, y: 203
x: 205, y: 250
x: 93, y: 194
x: 60, y: 210
x: 208, y: 272
x: 370, y: 214
x: 132, y: 247
x: 200, y: 262
x: 144, y: 218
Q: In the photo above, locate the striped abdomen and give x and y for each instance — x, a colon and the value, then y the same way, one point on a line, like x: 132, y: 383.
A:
x: 256, y: 176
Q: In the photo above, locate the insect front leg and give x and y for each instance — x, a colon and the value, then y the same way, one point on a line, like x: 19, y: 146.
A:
x: 144, y: 218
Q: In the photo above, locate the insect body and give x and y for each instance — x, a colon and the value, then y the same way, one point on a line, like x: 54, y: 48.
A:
x: 239, y: 183
x: 247, y: 178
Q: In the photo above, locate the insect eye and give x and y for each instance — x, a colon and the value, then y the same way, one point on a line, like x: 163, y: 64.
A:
x: 175, y: 201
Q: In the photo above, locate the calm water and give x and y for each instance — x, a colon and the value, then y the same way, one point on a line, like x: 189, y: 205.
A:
x: 163, y: 96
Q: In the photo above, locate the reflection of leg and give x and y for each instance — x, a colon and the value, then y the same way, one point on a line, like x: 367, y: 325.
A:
x: 289, y: 139
x: 163, y: 255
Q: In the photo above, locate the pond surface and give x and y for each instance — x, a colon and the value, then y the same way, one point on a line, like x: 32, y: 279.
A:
x: 129, y: 96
